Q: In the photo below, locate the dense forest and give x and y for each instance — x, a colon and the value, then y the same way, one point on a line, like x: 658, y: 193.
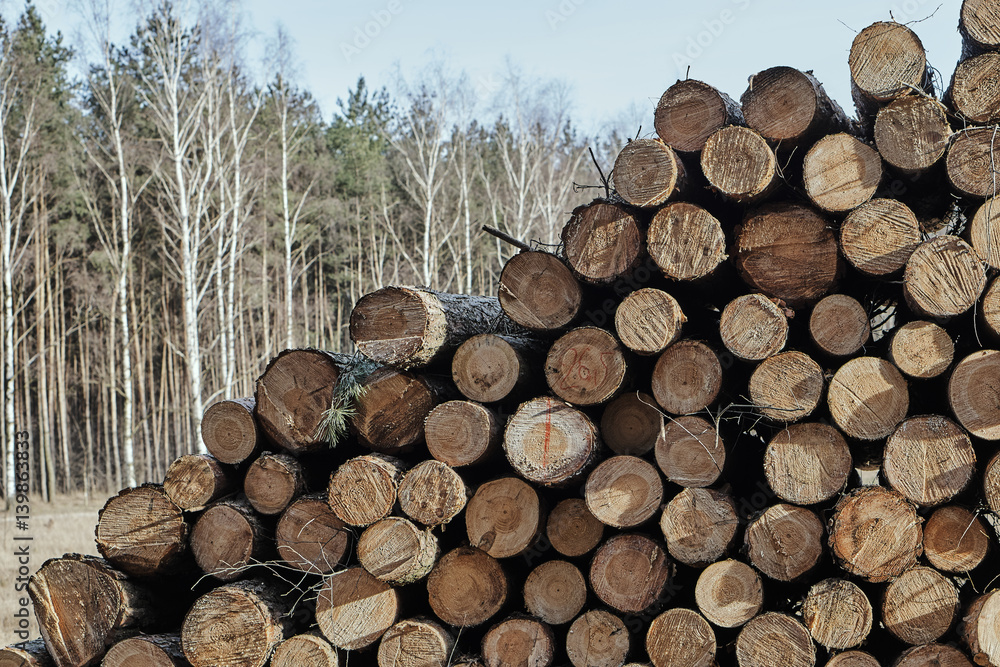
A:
x: 171, y: 220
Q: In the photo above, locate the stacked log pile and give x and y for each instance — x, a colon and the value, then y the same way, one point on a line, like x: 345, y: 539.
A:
x: 745, y: 416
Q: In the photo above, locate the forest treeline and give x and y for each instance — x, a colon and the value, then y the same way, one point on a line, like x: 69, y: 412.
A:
x: 172, y: 219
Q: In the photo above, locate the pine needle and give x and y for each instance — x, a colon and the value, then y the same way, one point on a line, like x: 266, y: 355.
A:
x: 343, y: 406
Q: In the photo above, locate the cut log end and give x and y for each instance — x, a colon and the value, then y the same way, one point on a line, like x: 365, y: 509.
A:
x: 687, y: 377
x: 807, y: 463
x: 539, y: 292
x: 689, y: 112
x: 739, y: 164
x: 984, y: 232
x: 944, y: 277
x: 462, y: 433
x: 691, y: 452
x: 686, y: 241
x: 310, y: 537
x: 630, y: 572
x: 415, y: 641
x: 841, y: 173
x: 912, y: 133
x: 875, y: 515
x: 504, y: 517
x: 774, y: 638
x: 981, y: 629
x: 868, y: 398
x: 972, y: 163
x: 466, y: 587
x: 602, y: 242
x: 354, y: 609
x: 555, y: 592
x: 291, y: 397
x: 699, y: 526
x: 922, y: 349
x: 919, y: 606
x: 273, y: 482
x: 487, y: 368
x: 955, y: 539
x: 788, y: 106
x: 572, y: 529
x: 26, y: 654
x: 145, y: 650
x: 632, y: 424
x: 624, y: 491
x: 432, y: 493
x: 548, y: 442
x: 142, y: 532
x: 647, y: 173
x: 519, y: 641
x: 753, y: 327
x: 390, y: 414
x: 837, y: 613
x: 227, y: 538
x: 972, y: 394
x: 229, y: 430
x: 648, y: 321
x: 839, y: 325
x: 879, y: 236
x: 932, y: 655
x: 396, y: 551
x: 887, y: 61
x: 307, y: 649
x: 787, y: 387
x: 929, y: 459
x: 680, y: 638
x: 364, y: 489
x: 973, y: 92
x: 729, y: 593
x: 597, y: 638
x: 585, y: 366
x: 195, y: 480
x: 785, y: 542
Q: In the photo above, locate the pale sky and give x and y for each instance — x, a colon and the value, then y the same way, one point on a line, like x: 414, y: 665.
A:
x: 616, y: 57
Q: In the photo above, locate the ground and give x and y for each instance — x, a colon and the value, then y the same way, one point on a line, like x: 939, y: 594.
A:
x: 64, y: 526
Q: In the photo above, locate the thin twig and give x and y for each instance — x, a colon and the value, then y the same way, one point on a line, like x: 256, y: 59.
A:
x: 506, y: 238
x: 604, y: 180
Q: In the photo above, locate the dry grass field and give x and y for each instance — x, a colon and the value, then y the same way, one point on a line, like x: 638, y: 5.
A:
x: 63, y: 526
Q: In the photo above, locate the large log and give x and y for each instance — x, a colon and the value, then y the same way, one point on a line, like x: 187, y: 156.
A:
x: 955, y: 539
x: 840, y: 173
x: 195, y: 480
x: 837, y: 613
x: 555, y: 592
x: 686, y: 242
x: 432, y: 493
x: 26, y: 654
x: 624, y: 491
x: 973, y: 161
x: 921, y: 349
x: 364, y: 489
x: 411, y: 327
x: 415, y: 642
x: 868, y: 398
x: 602, y: 242
x: 929, y: 459
x: 142, y: 532
x: 354, y: 609
x: 978, y: 24
x: 680, y: 638
x: 462, y: 433
x: 785, y: 542
x: 699, y: 526
x: 310, y: 537
x: 691, y: 452
x: 647, y: 173
x: 875, y: 533
x: 572, y: 529
x: 273, y: 481
x: 648, y: 320
x: 932, y: 655
x: 488, y: 368
x: 787, y: 387
x: 789, y: 252
x: 887, y: 61
x: 632, y: 424
x: 538, y: 291
x: 306, y: 649
x: 944, y: 277
x: 739, y: 164
x: 229, y: 430
x: 729, y: 593
x: 519, y: 641
x: 838, y: 325
x: 774, y: 639
x: 238, y: 624
x: 146, y: 651
x: 972, y: 393
x: 753, y: 327
x: 912, y: 133
x: 228, y: 537
x: 84, y: 606
x: 687, y: 377
x: 549, y: 443
x: 466, y: 587
x: 629, y: 572
x: 973, y: 92
x: 391, y: 411
x: 807, y: 463
x: 395, y: 551
x: 585, y: 366
x: 980, y: 629
x: 919, y: 606
x: 879, y: 236
x: 296, y: 388
x: 597, y: 639
x: 504, y: 517
x: 690, y: 111
x: 790, y: 107
x: 984, y: 234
